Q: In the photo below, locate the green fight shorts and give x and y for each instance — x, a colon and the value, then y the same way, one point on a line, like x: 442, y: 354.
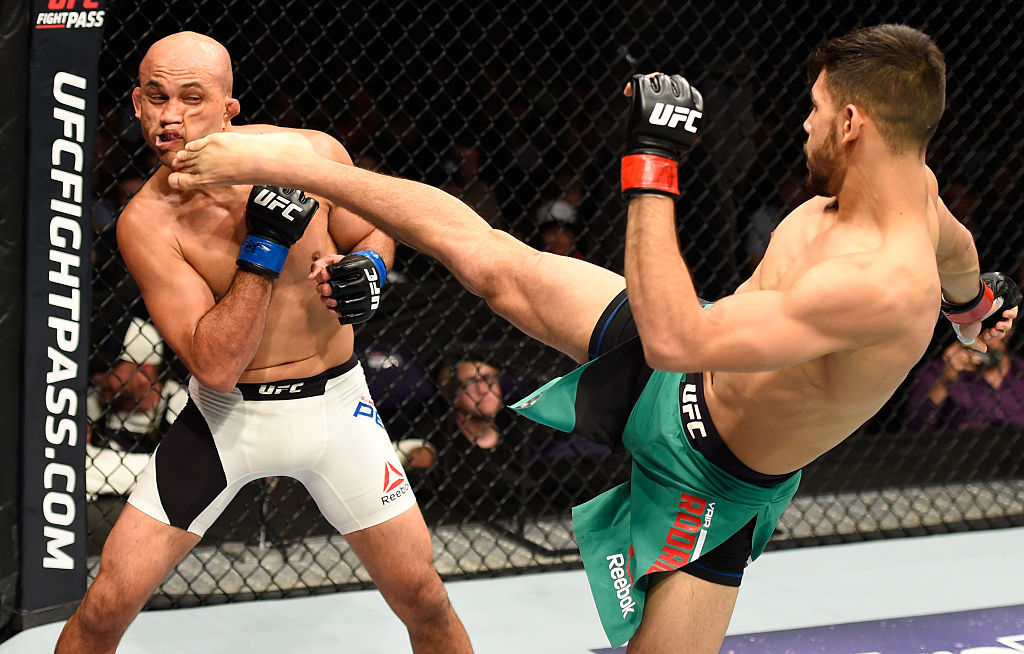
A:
x: 678, y: 506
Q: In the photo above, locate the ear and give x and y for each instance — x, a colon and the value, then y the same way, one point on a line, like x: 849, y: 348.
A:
x: 137, y: 101
x: 851, y: 126
x: 231, y: 109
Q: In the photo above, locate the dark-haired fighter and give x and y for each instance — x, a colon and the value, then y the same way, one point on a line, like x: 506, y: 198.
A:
x: 720, y: 405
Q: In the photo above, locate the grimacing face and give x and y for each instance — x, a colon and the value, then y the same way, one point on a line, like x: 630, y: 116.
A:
x: 179, y: 101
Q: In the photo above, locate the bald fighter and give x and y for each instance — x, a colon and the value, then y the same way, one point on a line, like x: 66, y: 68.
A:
x: 720, y: 404
x: 275, y: 388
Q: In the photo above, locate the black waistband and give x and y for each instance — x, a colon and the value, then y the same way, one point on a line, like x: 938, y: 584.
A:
x: 705, y: 437
x: 293, y: 389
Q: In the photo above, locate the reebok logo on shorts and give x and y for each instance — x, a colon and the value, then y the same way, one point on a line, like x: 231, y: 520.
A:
x: 393, y: 477
x: 621, y: 583
x: 395, y: 484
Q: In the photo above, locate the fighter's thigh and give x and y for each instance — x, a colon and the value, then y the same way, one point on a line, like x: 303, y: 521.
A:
x: 358, y: 480
x: 683, y: 613
x: 555, y: 299
x: 137, y: 556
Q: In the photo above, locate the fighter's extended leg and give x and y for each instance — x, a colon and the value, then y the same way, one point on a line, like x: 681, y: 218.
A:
x: 552, y: 298
x: 555, y: 299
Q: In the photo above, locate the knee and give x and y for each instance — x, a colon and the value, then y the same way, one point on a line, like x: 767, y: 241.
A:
x: 106, y: 607
x: 423, y: 601
x: 488, y: 265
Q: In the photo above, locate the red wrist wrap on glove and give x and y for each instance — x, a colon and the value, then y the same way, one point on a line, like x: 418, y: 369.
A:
x: 972, y: 311
x: 651, y: 172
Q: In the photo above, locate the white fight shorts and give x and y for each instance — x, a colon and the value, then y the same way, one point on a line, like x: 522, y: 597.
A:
x: 323, y: 431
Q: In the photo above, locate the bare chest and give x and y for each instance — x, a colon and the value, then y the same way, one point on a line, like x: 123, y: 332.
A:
x: 209, y: 235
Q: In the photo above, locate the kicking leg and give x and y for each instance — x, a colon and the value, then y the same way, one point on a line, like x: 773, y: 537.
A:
x: 138, y: 555
x: 555, y: 299
x: 552, y: 298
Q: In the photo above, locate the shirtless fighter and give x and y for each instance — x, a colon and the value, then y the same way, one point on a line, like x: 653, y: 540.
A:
x: 720, y: 405
x: 275, y: 388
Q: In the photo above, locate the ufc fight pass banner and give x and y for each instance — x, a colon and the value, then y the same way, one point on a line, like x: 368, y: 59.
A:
x: 65, y: 44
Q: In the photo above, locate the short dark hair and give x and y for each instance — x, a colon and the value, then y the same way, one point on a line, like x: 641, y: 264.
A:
x: 895, y: 72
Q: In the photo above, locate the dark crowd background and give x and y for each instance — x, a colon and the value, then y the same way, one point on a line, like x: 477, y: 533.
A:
x: 517, y: 108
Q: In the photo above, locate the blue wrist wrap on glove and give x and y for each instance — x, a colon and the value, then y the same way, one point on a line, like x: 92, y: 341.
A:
x: 378, y: 263
x: 263, y: 253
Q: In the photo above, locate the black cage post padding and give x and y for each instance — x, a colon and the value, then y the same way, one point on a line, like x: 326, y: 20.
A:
x: 14, y: 41
x: 65, y: 39
x: 517, y: 108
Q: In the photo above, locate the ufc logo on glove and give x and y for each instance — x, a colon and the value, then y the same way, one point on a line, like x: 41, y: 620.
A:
x: 372, y: 278
x: 272, y: 201
x: 670, y: 115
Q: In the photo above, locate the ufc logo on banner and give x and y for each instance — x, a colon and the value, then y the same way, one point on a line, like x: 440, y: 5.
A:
x: 271, y: 200
x: 671, y: 115
x: 55, y: 5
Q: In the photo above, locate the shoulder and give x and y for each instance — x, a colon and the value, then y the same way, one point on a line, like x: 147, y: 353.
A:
x: 810, y: 210
x: 323, y: 144
x: 933, y: 182
x: 804, y: 217
x: 144, y: 211
x: 148, y: 219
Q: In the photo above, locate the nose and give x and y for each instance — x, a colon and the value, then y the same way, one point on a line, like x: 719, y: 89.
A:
x: 171, y: 113
x: 807, y: 124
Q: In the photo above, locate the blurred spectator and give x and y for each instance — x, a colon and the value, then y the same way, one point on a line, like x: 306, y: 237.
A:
x: 480, y: 473
x: 967, y: 389
x: 474, y: 389
x: 111, y: 204
x: 129, y: 407
x: 558, y: 228
x: 493, y: 464
x: 963, y: 202
x: 115, y: 295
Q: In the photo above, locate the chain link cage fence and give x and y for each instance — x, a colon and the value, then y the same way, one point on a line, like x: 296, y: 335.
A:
x: 517, y: 108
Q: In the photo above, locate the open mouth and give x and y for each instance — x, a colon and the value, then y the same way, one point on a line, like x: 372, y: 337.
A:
x: 167, y: 138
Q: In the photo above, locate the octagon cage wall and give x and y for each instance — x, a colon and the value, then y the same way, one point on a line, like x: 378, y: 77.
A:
x: 517, y: 108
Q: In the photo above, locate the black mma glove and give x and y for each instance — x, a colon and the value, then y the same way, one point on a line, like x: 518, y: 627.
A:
x: 276, y: 218
x: 662, y: 127
x: 356, y: 282
x: 998, y: 293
